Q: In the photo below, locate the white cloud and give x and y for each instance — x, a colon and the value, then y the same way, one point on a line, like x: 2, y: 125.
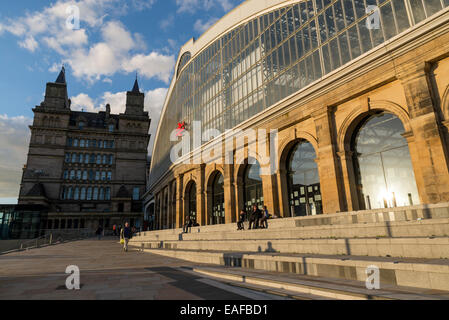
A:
x: 14, y: 133
x: 167, y: 23
x: 201, y: 26
x: 118, y: 50
x: 152, y: 65
x: 29, y: 43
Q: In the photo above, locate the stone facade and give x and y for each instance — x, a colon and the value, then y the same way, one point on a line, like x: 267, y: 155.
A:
x: 407, y: 77
x: 87, y: 168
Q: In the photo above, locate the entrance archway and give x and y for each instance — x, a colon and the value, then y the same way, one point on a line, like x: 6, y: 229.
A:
x: 252, y: 186
x: 191, y: 201
x: 303, y: 181
x: 218, y: 211
x: 382, y: 163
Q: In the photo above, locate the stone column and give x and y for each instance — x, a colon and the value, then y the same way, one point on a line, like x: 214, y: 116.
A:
x: 330, y: 175
x: 283, y: 196
x: 179, y: 202
x: 349, y: 180
x: 427, y: 147
x: 269, y: 190
x: 168, y: 220
x: 239, y: 197
x: 200, y: 195
x: 229, y: 195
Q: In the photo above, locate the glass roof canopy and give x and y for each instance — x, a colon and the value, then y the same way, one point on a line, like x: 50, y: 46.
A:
x: 259, y: 63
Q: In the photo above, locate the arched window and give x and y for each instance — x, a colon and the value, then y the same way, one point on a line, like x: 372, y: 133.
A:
x: 83, y: 193
x: 73, y: 157
x: 95, y: 193
x: 70, y: 193
x: 191, y: 198
x: 108, y: 193
x: 81, y: 158
x: 304, y: 191
x: 98, y: 158
x: 84, y: 175
x: 382, y: 162
x: 76, y: 195
x: 253, y: 190
x: 101, y: 194
x: 72, y: 174
x: 218, y: 213
x: 89, y: 193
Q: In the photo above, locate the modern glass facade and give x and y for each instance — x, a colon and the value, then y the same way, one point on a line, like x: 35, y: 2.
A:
x: 258, y: 63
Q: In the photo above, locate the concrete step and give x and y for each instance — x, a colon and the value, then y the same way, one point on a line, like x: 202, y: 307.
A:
x: 419, y: 273
x: 421, y: 228
x: 430, y: 248
x: 306, y: 287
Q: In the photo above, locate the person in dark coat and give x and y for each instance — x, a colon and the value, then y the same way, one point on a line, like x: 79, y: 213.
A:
x: 99, y: 232
x: 255, y: 216
x: 187, y: 225
x: 264, y: 220
x: 127, y: 235
x: 242, y: 216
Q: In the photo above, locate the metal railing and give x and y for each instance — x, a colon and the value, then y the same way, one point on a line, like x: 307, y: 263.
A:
x: 51, y: 237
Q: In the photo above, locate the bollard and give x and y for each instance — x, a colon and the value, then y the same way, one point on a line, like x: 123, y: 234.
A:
x: 51, y: 237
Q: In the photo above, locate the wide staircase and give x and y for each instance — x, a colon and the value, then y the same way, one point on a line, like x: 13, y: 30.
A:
x: 409, y: 246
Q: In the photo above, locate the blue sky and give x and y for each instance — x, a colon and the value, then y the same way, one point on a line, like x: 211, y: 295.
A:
x: 116, y: 39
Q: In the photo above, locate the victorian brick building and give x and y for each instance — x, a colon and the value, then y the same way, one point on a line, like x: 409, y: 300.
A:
x: 86, y: 168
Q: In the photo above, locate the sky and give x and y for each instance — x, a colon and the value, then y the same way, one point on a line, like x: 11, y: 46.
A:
x: 115, y: 40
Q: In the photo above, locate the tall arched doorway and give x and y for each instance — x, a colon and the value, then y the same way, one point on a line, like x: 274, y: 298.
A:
x: 218, y: 212
x: 304, y: 190
x: 191, y: 201
x: 382, y: 163
x: 252, y: 186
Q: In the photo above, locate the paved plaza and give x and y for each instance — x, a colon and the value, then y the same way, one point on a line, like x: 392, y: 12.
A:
x: 107, y: 272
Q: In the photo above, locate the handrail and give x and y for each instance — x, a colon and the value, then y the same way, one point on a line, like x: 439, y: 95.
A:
x: 51, y: 237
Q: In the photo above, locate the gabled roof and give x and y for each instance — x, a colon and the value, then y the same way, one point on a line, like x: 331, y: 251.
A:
x: 37, y: 190
x: 123, y: 193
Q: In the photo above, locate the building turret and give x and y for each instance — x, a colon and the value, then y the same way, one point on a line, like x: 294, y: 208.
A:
x: 56, y: 96
x: 135, y: 101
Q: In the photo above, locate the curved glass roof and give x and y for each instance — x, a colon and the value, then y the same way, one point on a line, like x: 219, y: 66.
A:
x: 260, y: 62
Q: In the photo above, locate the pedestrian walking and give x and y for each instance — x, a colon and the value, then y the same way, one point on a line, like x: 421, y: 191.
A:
x: 114, y: 230
x: 126, y: 235
x: 99, y: 232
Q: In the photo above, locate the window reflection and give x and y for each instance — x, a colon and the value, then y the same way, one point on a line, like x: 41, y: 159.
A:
x: 253, y: 191
x: 304, y: 190
x: 192, y: 201
x: 383, y: 164
x: 218, y: 212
